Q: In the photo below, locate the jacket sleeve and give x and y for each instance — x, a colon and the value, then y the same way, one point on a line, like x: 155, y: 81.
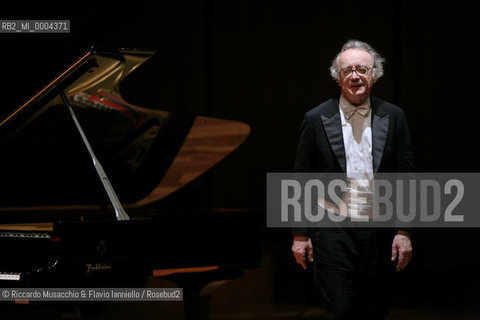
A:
x: 404, y: 153
x: 304, y: 159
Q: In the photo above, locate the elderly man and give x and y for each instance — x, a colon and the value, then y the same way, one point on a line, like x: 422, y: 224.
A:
x: 354, y: 268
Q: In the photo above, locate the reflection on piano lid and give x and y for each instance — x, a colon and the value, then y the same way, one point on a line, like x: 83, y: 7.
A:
x: 147, y: 154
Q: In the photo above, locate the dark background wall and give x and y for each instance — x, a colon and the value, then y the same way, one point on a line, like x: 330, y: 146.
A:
x: 266, y: 63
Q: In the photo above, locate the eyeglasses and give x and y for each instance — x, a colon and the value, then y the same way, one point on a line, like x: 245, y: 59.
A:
x: 360, y: 70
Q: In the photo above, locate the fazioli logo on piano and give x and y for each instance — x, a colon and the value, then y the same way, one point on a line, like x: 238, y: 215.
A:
x: 98, y: 267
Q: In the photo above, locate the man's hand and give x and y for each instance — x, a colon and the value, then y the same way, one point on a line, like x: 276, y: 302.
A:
x: 402, y: 246
x: 301, y: 248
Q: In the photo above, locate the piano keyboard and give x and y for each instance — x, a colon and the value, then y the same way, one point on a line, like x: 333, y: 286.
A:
x: 12, y: 276
x: 22, y: 253
x: 24, y: 235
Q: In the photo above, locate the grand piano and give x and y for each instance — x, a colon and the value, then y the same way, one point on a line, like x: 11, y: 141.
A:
x: 83, y: 176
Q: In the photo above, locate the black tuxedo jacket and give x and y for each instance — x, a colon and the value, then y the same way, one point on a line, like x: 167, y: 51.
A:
x: 321, y: 148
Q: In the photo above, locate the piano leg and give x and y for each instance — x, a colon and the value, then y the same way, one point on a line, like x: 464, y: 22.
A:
x: 197, y: 301
x: 199, y: 287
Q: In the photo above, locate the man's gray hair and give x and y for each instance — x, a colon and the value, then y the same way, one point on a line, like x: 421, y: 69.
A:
x: 378, y: 60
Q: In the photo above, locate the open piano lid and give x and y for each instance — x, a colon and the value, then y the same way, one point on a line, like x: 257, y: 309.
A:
x: 147, y: 154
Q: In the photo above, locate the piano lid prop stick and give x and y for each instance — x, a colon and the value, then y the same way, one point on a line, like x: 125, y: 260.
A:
x: 117, y: 206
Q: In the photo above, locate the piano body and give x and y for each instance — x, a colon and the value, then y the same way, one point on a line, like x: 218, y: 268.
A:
x: 82, y: 174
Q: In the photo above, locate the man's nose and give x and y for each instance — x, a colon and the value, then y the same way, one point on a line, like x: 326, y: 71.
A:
x: 354, y: 75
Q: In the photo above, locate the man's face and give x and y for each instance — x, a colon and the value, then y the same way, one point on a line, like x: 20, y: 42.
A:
x: 354, y: 85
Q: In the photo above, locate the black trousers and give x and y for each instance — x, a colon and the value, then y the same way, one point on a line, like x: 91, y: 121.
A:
x: 353, y: 273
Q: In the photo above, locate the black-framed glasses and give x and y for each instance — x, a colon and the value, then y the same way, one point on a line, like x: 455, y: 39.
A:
x: 360, y: 70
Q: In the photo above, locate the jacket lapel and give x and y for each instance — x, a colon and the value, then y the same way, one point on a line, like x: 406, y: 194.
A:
x: 333, y: 128
x: 380, y: 123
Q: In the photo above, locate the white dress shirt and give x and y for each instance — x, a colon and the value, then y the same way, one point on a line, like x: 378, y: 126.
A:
x: 357, y: 139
